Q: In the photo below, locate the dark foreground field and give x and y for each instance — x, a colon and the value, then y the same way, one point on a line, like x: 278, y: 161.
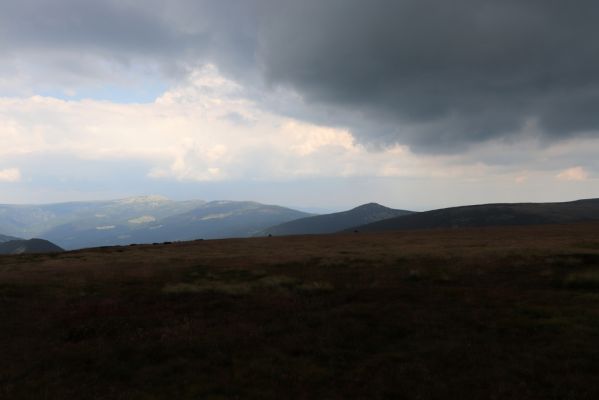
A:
x: 510, y: 313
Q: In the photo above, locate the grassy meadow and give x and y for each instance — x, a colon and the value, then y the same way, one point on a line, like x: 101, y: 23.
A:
x: 494, y: 313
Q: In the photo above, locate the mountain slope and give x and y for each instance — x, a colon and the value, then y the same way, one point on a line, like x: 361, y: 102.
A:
x: 213, y: 220
x: 221, y: 219
x: 30, y: 246
x: 329, y: 223
x: 493, y: 215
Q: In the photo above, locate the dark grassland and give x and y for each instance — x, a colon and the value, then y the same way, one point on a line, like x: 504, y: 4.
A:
x: 502, y: 313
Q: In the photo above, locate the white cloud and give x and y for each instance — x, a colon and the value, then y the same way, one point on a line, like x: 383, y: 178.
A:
x: 521, y: 179
x: 573, y: 174
x: 187, y: 134
x: 10, y: 175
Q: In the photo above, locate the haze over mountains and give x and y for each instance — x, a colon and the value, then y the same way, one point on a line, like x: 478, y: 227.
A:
x: 139, y: 220
x: 35, y: 220
x: 151, y: 219
x: 213, y: 220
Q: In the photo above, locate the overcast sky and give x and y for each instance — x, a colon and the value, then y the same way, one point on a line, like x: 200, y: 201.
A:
x: 315, y: 103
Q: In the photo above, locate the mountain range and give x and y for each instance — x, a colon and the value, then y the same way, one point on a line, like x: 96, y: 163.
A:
x: 335, y: 222
x: 34, y: 220
x: 213, y: 220
x: 144, y: 219
x: 151, y: 219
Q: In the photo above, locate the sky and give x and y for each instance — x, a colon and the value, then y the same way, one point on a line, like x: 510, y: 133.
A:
x: 314, y: 104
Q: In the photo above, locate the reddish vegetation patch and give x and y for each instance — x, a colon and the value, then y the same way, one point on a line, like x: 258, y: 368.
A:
x: 472, y: 313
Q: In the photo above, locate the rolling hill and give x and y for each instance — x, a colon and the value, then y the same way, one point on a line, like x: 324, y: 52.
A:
x: 31, y: 246
x: 330, y: 223
x: 492, y: 215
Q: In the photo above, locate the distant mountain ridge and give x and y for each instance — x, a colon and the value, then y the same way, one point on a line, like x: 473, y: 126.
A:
x: 150, y: 219
x: 213, y: 220
x: 334, y: 222
x: 35, y: 220
x: 492, y: 215
x: 227, y: 218
x: 31, y: 246
x: 142, y: 219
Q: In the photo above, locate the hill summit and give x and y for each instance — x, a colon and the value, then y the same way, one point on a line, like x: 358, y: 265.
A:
x: 330, y: 223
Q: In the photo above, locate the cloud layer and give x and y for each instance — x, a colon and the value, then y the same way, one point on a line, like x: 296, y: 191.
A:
x: 406, y: 96
x: 573, y: 174
x: 207, y: 130
x: 435, y: 75
x: 203, y: 130
x: 439, y: 75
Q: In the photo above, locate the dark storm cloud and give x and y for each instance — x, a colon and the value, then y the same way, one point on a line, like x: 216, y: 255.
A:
x: 109, y: 29
x: 69, y: 36
x: 439, y: 73
x: 435, y: 74
x: 75, y: 23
